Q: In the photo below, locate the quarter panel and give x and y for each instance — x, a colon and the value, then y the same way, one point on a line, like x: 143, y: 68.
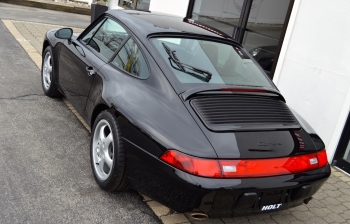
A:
x: 152, y: 106
x: 138, y: 138
x: 95, y: 97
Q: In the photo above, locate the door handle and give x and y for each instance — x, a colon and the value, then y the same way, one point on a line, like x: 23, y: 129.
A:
x: 90, y: 70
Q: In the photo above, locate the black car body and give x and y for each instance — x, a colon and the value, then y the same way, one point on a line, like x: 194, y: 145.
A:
x: 176, y: 134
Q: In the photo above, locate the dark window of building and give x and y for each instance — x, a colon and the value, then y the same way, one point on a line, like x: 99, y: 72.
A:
x: 128, y: 4
x: 259, y: 25
x: 346, y: 156
x: 263, y: 30
x: 135, y: 4
x: 221, y: 14
x: 143, y: 5
x: 342, y: 155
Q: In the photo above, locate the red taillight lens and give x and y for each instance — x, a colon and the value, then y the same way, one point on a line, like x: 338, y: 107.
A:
x: 193, y: 165
x: 269, y: 167
x: 245, y: 168
x: 322, y: 158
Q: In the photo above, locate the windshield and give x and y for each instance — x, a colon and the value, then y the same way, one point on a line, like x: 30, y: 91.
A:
x: 225, y: 63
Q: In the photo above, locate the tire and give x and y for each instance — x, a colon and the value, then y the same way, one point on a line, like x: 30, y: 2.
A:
x: 107, y: 153
x: 48, y: 76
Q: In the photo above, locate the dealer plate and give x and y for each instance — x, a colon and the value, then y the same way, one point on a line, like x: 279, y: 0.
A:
x: 271, y: 207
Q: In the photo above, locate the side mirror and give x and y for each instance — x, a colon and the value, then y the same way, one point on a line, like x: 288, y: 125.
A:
x: 64, y: 33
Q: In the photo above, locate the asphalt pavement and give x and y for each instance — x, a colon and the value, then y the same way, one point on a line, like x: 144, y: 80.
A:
x: 24, y: 13
x: 45, y: 174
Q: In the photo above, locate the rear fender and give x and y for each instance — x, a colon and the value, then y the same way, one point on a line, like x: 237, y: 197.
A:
x: 95, y: 103
x: 319, y: 144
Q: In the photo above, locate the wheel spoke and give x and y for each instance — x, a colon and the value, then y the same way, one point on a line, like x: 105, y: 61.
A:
x: 47, y: 62
x: 108, y: 140
x: 49, y: 69
x: 102, y: 133
x: 108, y: 160
x: 101, y: 165
x: 48, y: 78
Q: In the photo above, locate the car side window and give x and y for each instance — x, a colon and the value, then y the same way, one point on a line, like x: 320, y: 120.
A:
x: 88, y: 36
x: 108, y: 38
x: 131, y: 60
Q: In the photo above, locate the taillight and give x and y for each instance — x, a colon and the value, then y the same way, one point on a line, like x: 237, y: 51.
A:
x: 322, y: 158
x: 193, y: 165
x: 245, y: 168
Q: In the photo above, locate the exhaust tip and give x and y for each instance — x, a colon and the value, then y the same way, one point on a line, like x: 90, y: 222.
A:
x: 307, y: 200
x: 199, y: 216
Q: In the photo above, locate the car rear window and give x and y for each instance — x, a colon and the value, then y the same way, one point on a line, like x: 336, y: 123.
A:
x: 195, y: 59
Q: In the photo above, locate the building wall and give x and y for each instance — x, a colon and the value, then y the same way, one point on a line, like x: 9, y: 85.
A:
x: 178, y: 7
x: 313, y: 71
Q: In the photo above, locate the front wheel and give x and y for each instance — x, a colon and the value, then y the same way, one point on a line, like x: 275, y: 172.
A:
x: 48, y: 77
x: 107, y: 153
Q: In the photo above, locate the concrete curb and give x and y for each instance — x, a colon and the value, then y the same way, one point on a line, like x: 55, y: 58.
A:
x: 51, y: 5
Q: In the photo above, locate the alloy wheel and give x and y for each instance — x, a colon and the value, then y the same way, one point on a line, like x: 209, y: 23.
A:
x: 47, y: 70
x: 103, y: 150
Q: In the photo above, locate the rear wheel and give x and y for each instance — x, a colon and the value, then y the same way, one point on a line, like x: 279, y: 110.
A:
x: 48, y: 77
x: 107, y: 153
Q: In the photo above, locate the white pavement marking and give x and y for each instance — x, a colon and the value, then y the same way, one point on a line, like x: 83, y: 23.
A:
x: 19, y: 21
x: 166, y: 215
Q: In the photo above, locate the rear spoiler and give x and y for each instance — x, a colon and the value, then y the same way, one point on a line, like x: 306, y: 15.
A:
x: 213, y: 90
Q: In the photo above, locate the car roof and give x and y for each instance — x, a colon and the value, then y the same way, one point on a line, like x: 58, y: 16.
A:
x: 144, y: 23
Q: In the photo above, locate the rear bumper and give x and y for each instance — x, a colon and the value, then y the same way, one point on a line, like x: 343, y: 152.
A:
x: 250, y: 200
x: 184, y: 192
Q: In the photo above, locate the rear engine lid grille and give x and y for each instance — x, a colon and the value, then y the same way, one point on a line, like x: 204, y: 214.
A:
x: 241, y: 112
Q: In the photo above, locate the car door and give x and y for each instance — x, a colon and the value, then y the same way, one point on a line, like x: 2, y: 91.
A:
x: 81, y: 59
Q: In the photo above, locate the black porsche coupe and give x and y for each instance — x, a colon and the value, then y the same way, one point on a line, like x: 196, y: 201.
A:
x: 181, y: 113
